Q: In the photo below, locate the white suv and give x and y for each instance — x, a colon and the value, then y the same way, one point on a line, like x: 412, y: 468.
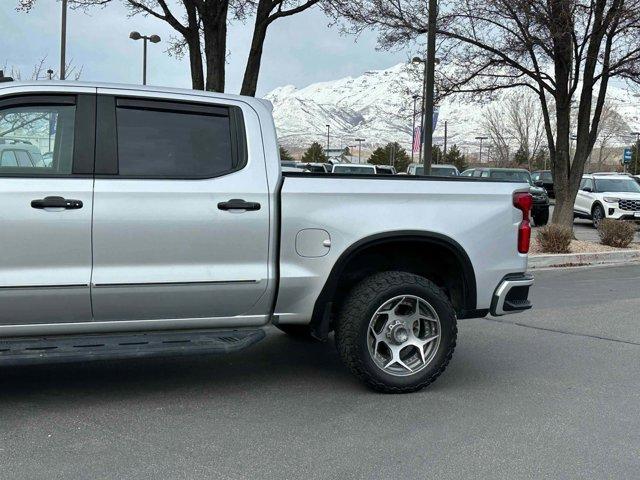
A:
x: 608, y: 196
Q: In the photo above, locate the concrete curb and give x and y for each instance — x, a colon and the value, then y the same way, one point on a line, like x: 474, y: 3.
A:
x: 559, y: 260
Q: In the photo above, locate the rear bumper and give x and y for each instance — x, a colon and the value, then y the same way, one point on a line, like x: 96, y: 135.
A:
x: 512, y: 294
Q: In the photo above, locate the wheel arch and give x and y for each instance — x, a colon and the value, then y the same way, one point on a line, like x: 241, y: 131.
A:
x: 425, y: 241
x: 597, y: 203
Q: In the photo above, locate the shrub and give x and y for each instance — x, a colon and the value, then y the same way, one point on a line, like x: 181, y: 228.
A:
x: 616, y: 233
x: 554, y: 238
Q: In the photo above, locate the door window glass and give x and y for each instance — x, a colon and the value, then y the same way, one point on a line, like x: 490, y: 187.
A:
x: 173, y: 144
x: 30, y: 135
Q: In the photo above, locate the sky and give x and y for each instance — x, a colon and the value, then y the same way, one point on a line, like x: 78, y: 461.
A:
x: 299, y: 50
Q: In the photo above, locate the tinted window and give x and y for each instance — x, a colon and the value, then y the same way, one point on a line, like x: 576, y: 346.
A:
x: 164, y: 143
x: 443, y: 171
x: 512, y: 176
x: 23, y: 159
x: 9, y: 159
x: 27, y: 134
x: 617, y: 185
x: 356, y: 170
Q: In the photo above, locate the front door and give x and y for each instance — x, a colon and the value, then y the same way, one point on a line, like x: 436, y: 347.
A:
x: 46, y: 192
x: 167, y: 242
x: 584, y: 198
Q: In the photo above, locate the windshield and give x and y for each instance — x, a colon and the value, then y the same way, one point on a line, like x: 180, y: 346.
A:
x: 511, y: 176
x: 545, y: 176
x: 617, y: 185
x: 357, y: 170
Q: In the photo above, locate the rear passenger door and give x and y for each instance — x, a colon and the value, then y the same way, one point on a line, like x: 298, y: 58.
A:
x: 168, y: 241
x: 45, y: 210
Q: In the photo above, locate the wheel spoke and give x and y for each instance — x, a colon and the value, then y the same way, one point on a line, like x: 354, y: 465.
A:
x: 423, y: 327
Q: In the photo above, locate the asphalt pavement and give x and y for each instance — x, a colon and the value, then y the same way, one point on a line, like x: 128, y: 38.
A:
x: 551, y: 393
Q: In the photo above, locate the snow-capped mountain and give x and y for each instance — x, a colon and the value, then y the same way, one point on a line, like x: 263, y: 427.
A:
x: 378, y: 107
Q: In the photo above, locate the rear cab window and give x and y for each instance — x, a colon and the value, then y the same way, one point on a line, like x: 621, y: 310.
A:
x: 170, y: 140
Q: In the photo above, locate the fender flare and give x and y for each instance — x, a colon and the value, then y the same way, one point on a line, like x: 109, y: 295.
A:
x: 320, y: 319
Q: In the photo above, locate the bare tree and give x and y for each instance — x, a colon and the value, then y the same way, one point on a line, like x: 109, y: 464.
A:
x: 515, y: 123
x: 38, y: 71
x: 266, y: 12
x: 495, y: 125
x: 612, y: 127
x: 196, y: 22
x: 565, y: 51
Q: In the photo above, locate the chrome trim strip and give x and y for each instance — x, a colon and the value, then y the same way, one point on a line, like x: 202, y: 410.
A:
x: 132, y: 326
x: 20, y: 287
x: 171, y: 284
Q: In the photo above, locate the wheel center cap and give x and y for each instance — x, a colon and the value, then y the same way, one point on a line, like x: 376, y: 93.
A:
x: 398, y: 333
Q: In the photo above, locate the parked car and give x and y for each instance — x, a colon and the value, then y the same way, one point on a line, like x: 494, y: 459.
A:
x: 20, y: 155
x: 440, y: 170
x: 385, y: 170
x: 540, y: 208
x: 314, y: 167
x: 288, y: 163
x: 155, y: 242
x: 546, y: 179
x: 354, y: 168
x: 607, y: 196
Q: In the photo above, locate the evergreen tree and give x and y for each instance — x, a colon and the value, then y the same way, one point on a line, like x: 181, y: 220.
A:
x: 285, y: 156
x: 455, y: 157
x: 315, y: 153
x: 391, y: 154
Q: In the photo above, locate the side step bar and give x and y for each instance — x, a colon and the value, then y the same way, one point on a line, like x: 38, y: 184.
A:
x: 80, y: 348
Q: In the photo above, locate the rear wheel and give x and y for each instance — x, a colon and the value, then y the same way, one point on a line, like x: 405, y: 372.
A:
x: 396, y: 331
x: 597, y: 215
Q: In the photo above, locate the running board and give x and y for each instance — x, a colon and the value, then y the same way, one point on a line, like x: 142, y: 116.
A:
x: 81, y: 348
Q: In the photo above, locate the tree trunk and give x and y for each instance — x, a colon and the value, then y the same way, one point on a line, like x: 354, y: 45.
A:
x: 214, y: 24
x: 561, y: 164
x: 252, y: 70
x: 195, y: 61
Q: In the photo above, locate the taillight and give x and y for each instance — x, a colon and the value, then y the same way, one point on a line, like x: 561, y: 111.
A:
x: 523, y: 201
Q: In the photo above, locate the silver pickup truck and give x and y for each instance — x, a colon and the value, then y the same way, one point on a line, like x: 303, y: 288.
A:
x: 163, y: 226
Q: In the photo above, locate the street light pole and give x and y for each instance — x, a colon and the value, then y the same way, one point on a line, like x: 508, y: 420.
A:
x: 145, y: 38
x: 413, y: 129
x: 359, y: 140
x: 63, y: 41
x: 328, y: 130
x: 429, y: 85
x: 481, y: 138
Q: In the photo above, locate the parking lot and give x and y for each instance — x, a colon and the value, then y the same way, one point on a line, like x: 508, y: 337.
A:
x: 584, y: 230
x: 554, y: 392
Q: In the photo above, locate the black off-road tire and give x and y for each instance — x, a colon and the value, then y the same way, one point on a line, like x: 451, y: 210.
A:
x: 597, y: 215
x: 353, y: 323
x: 301, y: 332
x: 540, y: 219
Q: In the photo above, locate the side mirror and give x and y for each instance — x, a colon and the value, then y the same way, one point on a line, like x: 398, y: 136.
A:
x: 587, y: 189
x: 539, y: 183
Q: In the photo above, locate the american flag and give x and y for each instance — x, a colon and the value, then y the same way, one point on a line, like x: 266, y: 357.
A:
x: 417, y: 140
